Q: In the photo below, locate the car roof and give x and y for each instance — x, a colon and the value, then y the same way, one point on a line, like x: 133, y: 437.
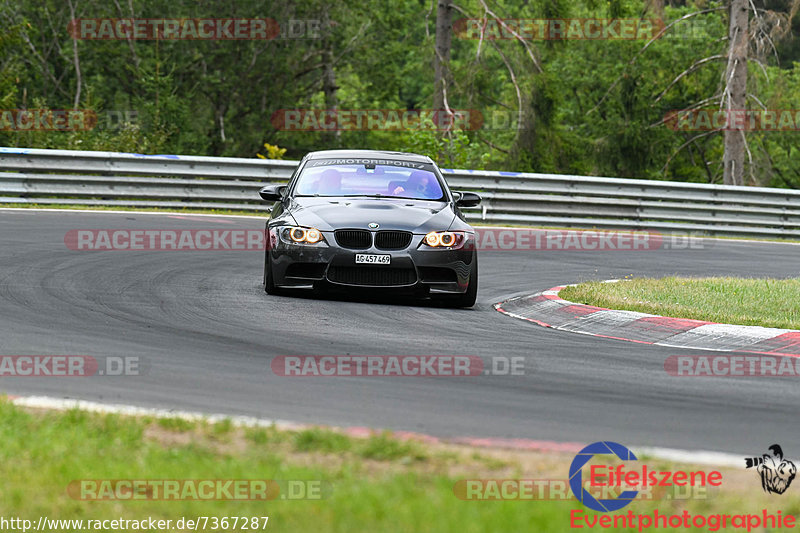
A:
x: 403, y: 156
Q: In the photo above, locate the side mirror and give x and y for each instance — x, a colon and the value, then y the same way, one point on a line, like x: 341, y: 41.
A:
x: 272, y: 193
x: 467, y: 199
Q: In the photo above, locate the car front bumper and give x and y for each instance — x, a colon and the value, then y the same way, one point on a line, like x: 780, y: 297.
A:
x: 413, y: 268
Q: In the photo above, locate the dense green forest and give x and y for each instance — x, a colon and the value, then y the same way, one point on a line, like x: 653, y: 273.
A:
x: 576, y: 106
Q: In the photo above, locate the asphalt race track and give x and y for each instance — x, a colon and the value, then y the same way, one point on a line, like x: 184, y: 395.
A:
x: 207, y: 332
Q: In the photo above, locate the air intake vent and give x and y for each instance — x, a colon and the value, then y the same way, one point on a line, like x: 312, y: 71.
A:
x: 372, y: 276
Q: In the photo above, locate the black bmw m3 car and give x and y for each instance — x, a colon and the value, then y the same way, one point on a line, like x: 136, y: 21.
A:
x: 374, y: 219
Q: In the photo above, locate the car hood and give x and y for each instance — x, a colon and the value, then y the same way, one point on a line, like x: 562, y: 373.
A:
x: 328, y: 214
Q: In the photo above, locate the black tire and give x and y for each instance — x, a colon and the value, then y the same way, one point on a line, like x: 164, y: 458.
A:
x: 269, y: 282
x: 468, y: 298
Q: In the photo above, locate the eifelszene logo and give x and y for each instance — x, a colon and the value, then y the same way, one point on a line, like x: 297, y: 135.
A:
x: 776, y: 472
x: 576, y: 476
x: 627, y: 476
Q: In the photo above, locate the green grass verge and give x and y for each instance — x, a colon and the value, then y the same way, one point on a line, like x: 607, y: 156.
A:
x: 752, y: 302
x: 376, y: 484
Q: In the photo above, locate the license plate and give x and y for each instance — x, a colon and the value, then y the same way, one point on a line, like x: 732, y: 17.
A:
x: 373, y: 259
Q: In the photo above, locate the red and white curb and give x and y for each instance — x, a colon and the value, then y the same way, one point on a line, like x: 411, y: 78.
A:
x: 547, y: 309
x: 64, y: 404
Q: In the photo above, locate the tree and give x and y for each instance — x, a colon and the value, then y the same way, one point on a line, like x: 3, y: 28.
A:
x: 441, y: 59
x: 735, y: 92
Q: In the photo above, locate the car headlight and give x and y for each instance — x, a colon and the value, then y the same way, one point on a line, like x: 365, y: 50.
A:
x: 301, y: 235
x: 444, y: 239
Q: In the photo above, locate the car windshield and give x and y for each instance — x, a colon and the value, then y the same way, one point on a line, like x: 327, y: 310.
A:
x: 369, y: 180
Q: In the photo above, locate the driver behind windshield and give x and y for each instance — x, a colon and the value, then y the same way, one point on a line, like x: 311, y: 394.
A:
x: 417, y: 186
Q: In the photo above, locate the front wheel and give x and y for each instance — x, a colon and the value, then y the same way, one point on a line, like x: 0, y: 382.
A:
x: 468, y: 298
x: 269, y: 280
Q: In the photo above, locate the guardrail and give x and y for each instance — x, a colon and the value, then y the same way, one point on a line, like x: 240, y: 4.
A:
x: 50, y: 177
